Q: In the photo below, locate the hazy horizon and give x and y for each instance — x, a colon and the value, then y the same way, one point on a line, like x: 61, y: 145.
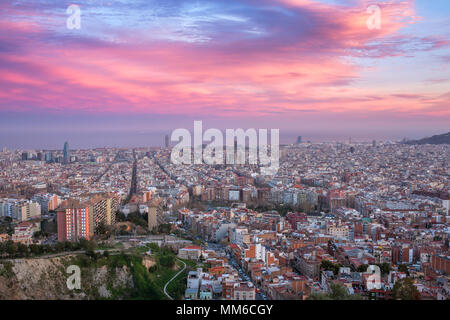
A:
x: 88, y: 140
x: 135, y: 71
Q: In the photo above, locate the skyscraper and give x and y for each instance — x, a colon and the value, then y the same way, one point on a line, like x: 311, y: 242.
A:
x: 299, y: 139
x: 49, y: 157
x: 167, y: 141
x: 66, y: 152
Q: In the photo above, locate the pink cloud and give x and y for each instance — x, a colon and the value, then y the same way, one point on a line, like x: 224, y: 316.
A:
x: 307, y: 70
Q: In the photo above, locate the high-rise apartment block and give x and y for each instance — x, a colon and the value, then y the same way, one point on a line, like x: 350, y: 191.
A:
x: 27, y: 210
x: 48, y: 202
x: 152, y: 217
x: 74, y: 221
x: 20, y: 210
x: 103, y: 210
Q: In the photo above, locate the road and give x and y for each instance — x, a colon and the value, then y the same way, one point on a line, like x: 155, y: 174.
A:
x: 107, y: 169
x: 234, y: 264
x: 133, y: 186
x: 178, y: 273
x: 67, y: 253
x: 246, y: 278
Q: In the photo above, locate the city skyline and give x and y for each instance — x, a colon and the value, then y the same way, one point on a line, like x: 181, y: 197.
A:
x: 158, y: 139
x: 240, y: 152
x: 331, y: 214
x: 306, y: 67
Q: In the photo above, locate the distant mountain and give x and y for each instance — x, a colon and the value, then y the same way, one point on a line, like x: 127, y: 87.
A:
x: 437, y: 139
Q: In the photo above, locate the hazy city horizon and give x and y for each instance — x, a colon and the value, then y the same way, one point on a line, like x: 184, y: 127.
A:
x: 52, y: 141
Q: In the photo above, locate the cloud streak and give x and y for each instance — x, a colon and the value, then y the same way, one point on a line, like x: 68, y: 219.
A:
x: 211, y: 58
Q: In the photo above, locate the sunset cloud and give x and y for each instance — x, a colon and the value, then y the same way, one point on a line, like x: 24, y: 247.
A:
x: 217, y: 58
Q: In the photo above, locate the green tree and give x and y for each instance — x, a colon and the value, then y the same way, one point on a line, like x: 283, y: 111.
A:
x: 35, y: 249
x: 87, y: 245
x: 101, y: 229
x: 337, y: 292
x: 153, y: 247
x: 22, y: 250
x: 167, y: 260
x: 329, y: 266
x: 59, y: 246
x: 404, y: 289
x: 40, y: 234
x: 384, y: 267
x: 138, y: 219
x: 92, y: 254
x: 11, y: 248
x: 120, y: 216
x: 46, y: 248
x: 164, y: 228
x: 362, y: 268
x: 67, y: 246
x: 403, y: 268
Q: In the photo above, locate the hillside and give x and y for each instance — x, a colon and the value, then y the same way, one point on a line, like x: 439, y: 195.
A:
x: 437, y: 139
x: 45, y: 279
x: 122, y: 276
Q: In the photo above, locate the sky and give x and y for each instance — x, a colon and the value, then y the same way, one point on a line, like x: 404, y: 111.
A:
x: 137, y: 70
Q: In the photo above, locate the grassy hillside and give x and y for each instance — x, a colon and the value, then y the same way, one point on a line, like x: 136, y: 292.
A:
x: 118, y: 275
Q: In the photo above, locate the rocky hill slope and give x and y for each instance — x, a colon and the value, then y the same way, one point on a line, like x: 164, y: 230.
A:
x: 117, y: 277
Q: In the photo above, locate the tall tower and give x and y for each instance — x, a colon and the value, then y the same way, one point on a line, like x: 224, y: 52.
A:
x: 299, y: 139
x: 166, y: 140
x: 66, y: 153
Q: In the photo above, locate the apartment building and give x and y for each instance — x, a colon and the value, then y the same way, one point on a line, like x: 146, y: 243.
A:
x: 47, y: 201
x: 103, y: 210
x: 73, y: 221
x: 20, y: 210
x: 23, y: 232
x: 190, y: 253
x: 308, y: 265
x: 244, y: 291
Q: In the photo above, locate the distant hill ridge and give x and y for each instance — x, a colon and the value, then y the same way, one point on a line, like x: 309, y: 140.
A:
x: 437, y: 139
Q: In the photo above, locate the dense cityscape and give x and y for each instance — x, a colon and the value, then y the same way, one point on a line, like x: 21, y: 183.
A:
x: 338, y: 221
x: 224, y: 158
